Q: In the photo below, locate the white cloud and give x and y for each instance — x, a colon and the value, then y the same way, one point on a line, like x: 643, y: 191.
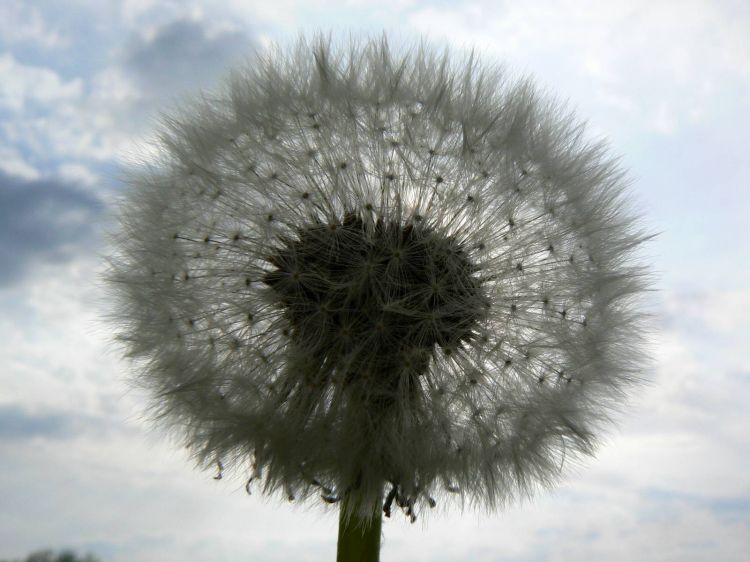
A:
x: 132, y: 10
x: 722, y: 312
x: 25, y: 84
x: 656, y: 57
x: 105, y: 114
x: 49, y: 117
x: 53, y: 348
x: 14, y: 164
x: 22, y: 23
x: 77, y: 174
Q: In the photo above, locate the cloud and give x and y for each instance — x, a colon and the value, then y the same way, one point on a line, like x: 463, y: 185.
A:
x: 25, y: 84
x: 46, y: 116
x: 13, y: 163
x: 78, y: 174
x: 17, y: 423
x: 20, y: 24
x: 45, y: 220
x: 100, y: 113
x: 734, y: 509
x: 183, y: 55
x: 636, y: 63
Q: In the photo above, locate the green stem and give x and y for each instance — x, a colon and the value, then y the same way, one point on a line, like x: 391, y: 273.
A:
x: 359, y: 538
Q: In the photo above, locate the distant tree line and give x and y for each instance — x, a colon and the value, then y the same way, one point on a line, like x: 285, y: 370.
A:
x: 49, y: 556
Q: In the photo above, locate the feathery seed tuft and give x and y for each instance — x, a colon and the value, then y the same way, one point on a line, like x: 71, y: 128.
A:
x: 387, y: 276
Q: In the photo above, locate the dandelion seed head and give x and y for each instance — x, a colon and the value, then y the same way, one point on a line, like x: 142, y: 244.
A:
x: 381, y: 274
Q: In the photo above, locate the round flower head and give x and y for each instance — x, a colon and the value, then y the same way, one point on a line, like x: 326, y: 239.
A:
x: 382, y: 277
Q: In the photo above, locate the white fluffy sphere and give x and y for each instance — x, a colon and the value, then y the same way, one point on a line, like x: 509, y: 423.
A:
x: 386, y: 276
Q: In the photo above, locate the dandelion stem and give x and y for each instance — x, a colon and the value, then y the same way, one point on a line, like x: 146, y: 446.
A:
x: 359, y: 537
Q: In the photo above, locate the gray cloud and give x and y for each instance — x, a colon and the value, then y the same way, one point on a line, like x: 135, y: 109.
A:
x: 184, y: 55
x: 665, y: 502
x: 19, y: 424
x: 43, y: 220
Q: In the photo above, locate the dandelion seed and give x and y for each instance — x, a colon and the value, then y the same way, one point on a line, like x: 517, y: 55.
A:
x: 381, y: 278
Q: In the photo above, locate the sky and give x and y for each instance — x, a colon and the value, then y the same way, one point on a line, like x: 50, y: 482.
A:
x: 82, y: 84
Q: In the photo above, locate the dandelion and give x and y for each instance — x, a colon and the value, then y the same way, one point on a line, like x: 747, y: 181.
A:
x: 380, y: 280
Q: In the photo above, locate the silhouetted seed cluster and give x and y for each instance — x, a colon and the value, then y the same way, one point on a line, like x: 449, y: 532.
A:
x: 360, y: 268
x: 375, y: 296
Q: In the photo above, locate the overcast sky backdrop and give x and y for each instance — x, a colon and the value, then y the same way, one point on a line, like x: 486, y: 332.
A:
x: 81, y: 82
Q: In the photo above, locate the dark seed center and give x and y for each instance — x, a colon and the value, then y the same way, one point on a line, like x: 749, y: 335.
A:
x: 375, y: 297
